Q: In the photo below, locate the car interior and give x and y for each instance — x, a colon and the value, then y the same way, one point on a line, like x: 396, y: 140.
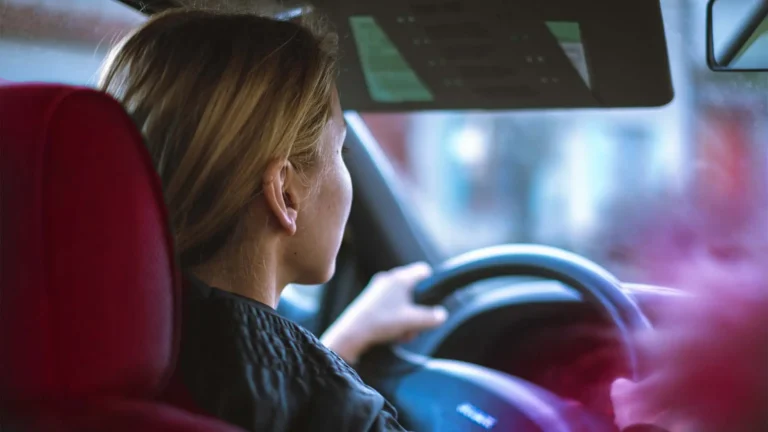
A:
x: 541, y: 320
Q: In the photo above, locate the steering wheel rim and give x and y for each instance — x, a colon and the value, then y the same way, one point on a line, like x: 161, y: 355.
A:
x: 598, y: 286
x: 402, y: 376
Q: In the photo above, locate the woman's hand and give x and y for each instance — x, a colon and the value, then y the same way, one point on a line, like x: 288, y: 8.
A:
x: 384, y: 312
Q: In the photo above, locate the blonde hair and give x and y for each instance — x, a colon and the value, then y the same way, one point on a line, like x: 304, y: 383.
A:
x: 218, y: 96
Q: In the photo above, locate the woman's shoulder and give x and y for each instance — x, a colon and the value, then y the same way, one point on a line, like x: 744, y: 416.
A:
x: 246, y: 364
x: 257, y: 334
x: 275, y: 342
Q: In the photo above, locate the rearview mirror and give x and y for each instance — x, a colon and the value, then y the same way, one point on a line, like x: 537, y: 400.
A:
x: 737, y: 35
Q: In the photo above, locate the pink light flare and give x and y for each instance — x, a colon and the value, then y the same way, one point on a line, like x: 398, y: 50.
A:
x: 708, y: 353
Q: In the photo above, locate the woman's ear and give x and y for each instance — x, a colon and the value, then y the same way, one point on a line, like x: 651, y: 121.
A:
x: 281, y: 199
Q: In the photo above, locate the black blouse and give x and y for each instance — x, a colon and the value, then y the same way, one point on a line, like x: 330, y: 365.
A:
x: 247, y: 365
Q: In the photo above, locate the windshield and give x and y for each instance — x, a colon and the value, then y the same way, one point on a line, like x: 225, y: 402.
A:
x: 614, y: 185
x: 590, y: 181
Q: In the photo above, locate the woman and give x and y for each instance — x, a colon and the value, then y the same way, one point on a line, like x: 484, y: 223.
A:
x: 242, y: 118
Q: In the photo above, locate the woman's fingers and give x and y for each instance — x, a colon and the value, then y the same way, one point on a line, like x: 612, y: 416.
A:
x: 384, y: 312
x: 409, y: 276
x: 419, y: 318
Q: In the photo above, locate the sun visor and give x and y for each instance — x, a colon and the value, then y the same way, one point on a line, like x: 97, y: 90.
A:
x: 401, y: 55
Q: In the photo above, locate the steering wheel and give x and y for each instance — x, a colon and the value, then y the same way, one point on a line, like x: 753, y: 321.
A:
x: 446, y: 395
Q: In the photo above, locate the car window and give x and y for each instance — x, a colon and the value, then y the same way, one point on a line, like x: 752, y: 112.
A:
x: 65, y: 42
x: 57, y: 41
x: 590, y: 181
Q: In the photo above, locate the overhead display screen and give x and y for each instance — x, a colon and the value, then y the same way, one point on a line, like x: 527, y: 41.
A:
x: 402, y: 55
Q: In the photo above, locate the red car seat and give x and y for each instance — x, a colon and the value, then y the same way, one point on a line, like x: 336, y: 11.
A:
x: 89, y: 291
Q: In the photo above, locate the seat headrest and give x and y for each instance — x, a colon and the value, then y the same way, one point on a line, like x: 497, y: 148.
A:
x: 88, y: 283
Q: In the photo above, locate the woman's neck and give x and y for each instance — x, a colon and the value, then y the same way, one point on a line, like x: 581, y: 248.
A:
x: 256, y: 280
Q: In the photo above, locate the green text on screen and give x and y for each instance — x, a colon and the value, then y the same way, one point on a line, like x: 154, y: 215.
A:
x: 389, y: 77
x: 568, y: 34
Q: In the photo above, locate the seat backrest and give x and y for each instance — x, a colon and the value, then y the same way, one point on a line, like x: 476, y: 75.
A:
x: 89, y: 291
